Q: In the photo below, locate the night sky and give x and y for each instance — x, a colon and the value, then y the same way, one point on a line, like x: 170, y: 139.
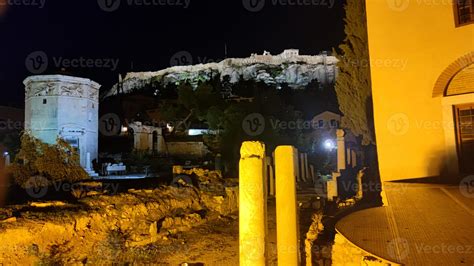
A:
x: 139, y: 37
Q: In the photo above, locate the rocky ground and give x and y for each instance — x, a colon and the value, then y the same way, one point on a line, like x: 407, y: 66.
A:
x: 166, y: 225
x: 159, y: 225
x: 140, y: 226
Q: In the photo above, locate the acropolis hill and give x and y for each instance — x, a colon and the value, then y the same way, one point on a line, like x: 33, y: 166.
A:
x: 289, y: 68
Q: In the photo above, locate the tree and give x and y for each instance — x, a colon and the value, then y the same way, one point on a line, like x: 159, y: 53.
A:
x: 353, y: 85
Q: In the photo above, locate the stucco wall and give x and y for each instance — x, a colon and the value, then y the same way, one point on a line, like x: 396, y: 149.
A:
x: 411, y: 43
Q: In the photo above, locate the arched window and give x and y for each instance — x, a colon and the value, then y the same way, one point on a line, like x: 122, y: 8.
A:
x: 463, y: 67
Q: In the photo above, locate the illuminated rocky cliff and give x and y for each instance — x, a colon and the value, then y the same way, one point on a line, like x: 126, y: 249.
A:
x: 288, y: 68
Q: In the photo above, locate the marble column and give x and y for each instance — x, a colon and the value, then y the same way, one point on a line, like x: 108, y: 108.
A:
x: 7, y: 160
x: 286, y: 206
x: 353, y: 158
x: 301, y: 166
x: 297, y: 166
x: 312, y: 174
x: 306, y: 168
x: 88, y: 162
x: 341, y: 150
x: 252, y: 204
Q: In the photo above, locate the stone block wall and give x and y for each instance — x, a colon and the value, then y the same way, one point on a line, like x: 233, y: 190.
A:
x: 188, y: 149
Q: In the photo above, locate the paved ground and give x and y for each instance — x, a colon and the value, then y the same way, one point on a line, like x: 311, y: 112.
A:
x: 424, y: 224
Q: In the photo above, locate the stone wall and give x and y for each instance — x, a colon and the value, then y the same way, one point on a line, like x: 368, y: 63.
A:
x: 187, y: 149
x: 144, y: 139
x: 346, y: 253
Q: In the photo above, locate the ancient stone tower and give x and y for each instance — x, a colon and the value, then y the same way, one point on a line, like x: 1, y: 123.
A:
x: 65, y: 107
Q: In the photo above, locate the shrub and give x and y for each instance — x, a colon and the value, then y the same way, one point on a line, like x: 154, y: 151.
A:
x: 56, y: 163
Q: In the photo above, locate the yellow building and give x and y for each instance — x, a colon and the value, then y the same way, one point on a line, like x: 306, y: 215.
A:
x: 422, y: 68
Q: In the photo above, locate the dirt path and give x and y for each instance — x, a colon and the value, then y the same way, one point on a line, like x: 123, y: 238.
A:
x: 217, y: 242
x: 214, y: 243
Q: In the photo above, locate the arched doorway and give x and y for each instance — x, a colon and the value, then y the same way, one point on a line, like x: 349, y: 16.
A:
x: 456, y: 86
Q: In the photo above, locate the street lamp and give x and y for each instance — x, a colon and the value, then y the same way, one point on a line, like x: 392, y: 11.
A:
x: 329, y: 144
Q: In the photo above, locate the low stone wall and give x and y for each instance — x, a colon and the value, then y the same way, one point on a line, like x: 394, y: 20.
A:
x: 345, y: 253
x: 189, y: 149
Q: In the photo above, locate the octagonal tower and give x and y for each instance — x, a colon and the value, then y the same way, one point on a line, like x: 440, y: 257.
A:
x: 65, y: 107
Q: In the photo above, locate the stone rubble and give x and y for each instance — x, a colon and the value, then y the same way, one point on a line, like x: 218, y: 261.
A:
x: 100, y: 228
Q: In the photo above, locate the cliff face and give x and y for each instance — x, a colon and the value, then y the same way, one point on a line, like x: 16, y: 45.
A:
x: 294, y: 70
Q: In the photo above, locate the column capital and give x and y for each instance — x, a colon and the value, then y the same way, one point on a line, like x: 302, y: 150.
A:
x: 340, y: 133
x: 252, y: 149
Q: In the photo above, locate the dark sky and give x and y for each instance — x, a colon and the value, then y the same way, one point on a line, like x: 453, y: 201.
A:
x: 145, y: 37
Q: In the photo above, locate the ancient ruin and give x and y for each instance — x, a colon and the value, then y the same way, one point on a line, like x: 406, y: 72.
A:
x: 58, y: 106
x: 289, y: 67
